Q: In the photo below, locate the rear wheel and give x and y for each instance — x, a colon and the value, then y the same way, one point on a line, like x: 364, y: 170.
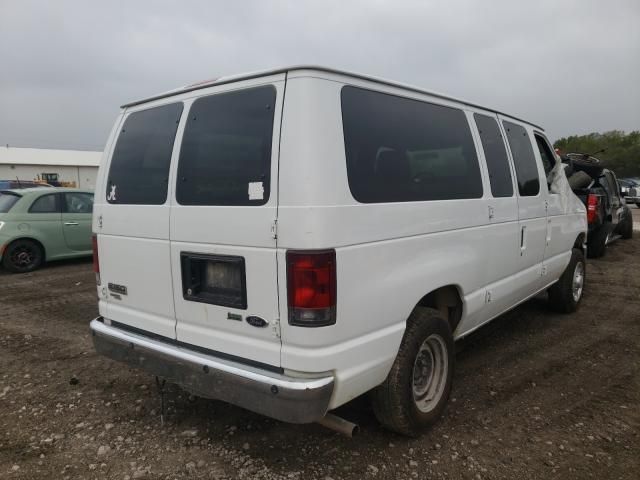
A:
x: 566, y: 293
x: 417, y: 388
x: 22, y: 256
x: 626, y: 229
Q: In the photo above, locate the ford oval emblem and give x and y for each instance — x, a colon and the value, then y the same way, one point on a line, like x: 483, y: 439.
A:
x: 256, y: 321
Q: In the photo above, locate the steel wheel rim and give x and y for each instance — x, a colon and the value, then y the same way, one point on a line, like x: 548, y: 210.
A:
x: 578, y: 281
x: 23, y: 257
x: 429, y: 375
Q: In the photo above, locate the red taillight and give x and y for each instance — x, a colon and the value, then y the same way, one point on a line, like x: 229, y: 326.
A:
x: 96, y: 259
x: 593, y: 202
x: 311, y: 287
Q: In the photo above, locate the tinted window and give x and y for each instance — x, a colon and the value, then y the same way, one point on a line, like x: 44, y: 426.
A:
x: 139, y: 172
x: 78, y: 202
x: 225, y: 158
x: 495, y: 155
x: 548, y: 158
x: 45, y: 204
x: 612, y: 184
x: 402, y: 150
x: 8, y: 200
x: 523, y: 159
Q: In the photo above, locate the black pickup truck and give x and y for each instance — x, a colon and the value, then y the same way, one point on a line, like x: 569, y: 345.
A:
x: 608, y: 216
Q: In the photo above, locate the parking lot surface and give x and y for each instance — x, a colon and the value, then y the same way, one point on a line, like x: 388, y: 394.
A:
x: 536, y: 395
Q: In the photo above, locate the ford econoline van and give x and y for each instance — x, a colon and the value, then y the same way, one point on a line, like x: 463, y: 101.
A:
x: 289, y: 240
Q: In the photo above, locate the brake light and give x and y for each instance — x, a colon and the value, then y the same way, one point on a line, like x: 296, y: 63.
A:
x: 593, y: 202
x: 311, y: 287
x: 96, y: 259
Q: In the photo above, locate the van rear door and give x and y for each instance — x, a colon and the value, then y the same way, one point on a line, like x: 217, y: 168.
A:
x: 131, y: 220
x: 223, y: 213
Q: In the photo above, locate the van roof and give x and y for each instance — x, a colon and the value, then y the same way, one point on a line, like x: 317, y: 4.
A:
x: 264, y: 73
x: 43, y: 190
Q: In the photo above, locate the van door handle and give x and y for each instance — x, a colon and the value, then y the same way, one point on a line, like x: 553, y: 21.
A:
x: 71, y: 223
x: 523, y: 239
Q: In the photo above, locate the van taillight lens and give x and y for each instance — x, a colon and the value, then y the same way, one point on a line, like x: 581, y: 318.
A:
x: 311, y: 287
x: 96, y: 259
x: 593, y: 202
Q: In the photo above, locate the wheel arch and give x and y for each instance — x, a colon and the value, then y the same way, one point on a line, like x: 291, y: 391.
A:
x: 581, y: 242
x: 446, y: 299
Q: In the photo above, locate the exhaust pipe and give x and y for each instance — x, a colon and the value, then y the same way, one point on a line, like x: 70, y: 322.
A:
x: 338, y: 424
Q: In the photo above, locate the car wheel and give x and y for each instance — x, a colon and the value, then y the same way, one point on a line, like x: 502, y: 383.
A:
x: 22, y: 256
x: 627, y: 228
x: 597, y: 244
x: 566, y: 293
x: 416, y: 391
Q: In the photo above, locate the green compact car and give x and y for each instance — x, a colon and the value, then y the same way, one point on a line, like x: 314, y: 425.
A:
x: 43, y: 224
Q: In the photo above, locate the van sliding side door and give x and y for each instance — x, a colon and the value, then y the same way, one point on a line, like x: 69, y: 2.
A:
x: 532, y: 215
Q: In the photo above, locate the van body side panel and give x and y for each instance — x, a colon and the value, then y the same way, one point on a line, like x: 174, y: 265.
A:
x: 389, y: 255
x: 231, y: 231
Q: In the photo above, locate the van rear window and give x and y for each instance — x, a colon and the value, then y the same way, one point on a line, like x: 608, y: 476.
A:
x: 404, y: 150
x: 139, y: 172
x: 225, y: 158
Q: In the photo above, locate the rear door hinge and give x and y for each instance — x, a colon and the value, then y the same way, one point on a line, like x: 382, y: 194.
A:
x: 274, y: 229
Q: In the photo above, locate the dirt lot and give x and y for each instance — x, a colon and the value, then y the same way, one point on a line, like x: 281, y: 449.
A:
x: 536, y: 395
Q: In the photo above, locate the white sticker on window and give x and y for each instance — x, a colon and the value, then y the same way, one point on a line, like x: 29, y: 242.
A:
x: 112, y: 194
x: 256, y: 191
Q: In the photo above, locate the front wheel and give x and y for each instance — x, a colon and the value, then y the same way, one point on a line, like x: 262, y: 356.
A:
x: 566, y: 293
x: 415, y: 392
x: 22, y: 256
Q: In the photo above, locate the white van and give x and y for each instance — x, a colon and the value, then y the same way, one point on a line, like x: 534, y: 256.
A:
x: 288, y: 240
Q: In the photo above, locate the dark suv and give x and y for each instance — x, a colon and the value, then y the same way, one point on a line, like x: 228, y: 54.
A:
x: 608, y: 216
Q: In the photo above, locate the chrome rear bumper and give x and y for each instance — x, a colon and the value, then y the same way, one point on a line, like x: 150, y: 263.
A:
x: 290, y: 399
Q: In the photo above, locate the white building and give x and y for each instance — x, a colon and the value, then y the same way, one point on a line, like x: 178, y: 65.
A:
x: 71, y: 166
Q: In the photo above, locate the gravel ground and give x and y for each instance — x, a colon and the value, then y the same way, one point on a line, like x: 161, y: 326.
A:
x: 536, y: 395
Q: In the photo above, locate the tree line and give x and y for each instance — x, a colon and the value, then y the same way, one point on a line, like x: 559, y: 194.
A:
x: 621, y: 150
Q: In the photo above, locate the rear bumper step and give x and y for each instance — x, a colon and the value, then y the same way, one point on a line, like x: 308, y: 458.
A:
x: 290, y: 399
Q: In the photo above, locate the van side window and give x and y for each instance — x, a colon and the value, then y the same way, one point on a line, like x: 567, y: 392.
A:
x: 225, y: 158
x: 523, y: 159
x: 548, y: 158
x: 495, y: 155
x: 139, y: 172
x: 404, y: 150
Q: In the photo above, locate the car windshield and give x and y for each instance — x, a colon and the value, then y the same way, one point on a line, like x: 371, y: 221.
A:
x: 8, y: 200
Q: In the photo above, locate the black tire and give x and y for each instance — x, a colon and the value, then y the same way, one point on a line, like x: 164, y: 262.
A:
x: 394, y: 401
x: 597, y: 243
x: 22, y: 256
x: 626, y: 229
x: 561, y: 293
x: 579, y: 180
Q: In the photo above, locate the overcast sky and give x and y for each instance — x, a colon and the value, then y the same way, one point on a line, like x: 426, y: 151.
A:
x: 65, y: 66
